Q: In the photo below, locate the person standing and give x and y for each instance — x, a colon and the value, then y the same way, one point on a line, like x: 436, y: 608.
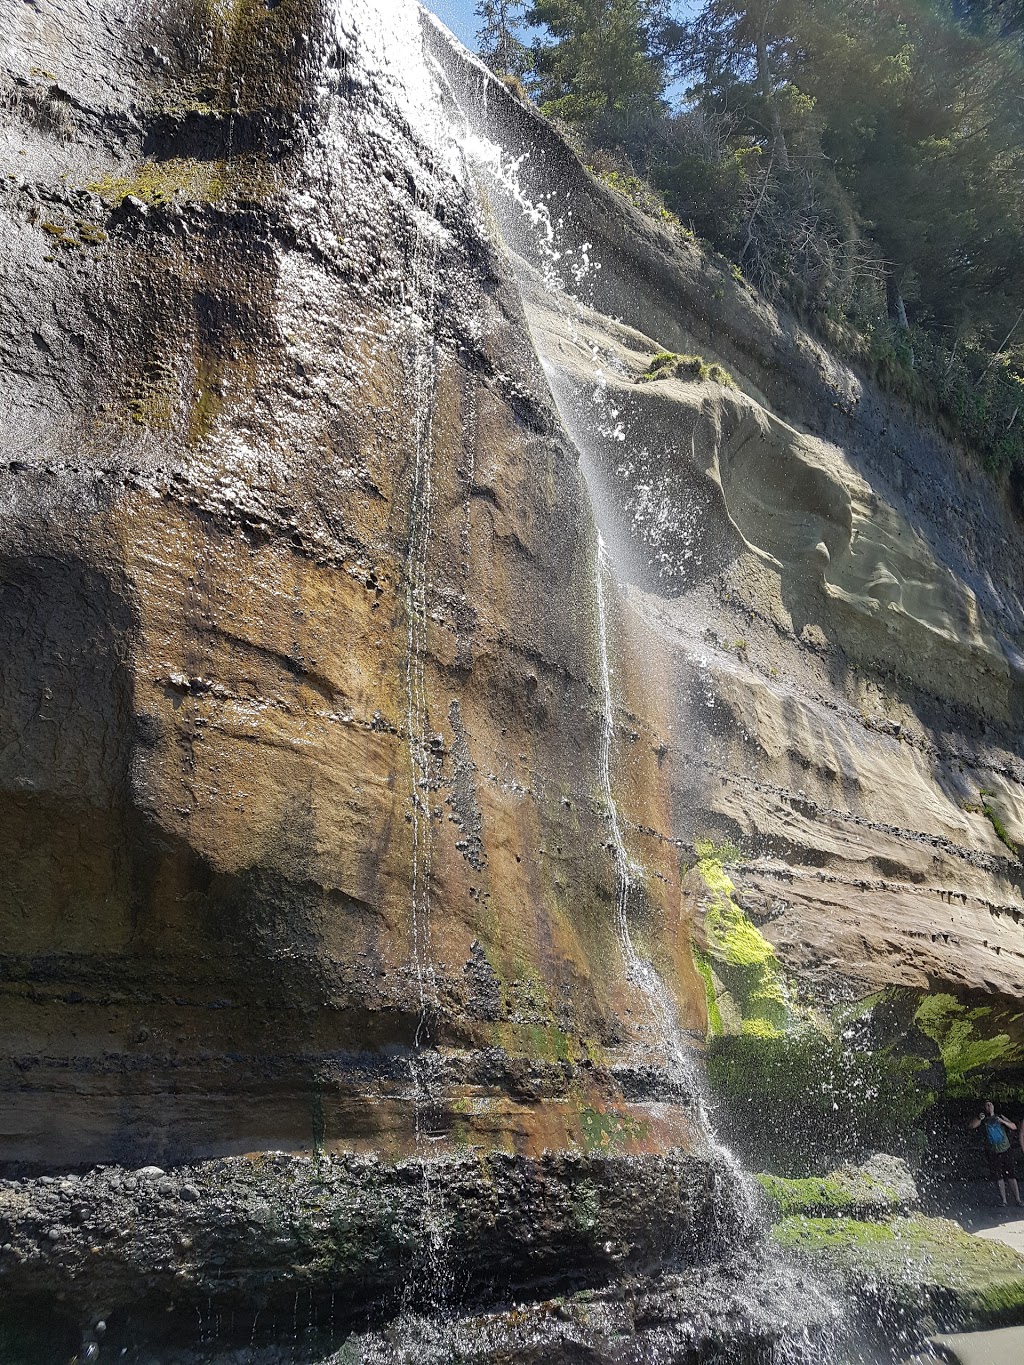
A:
x: 998, y: 1151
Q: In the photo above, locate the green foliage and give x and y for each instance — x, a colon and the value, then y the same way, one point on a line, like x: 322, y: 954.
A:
x: 867, y: 168
x: 599, y: 67
x: 992, y: 815
x: 498, y: 40
x: 639, y: 193
x: 968, y: 1049
x: 802, y: 1100
x: 979, y: 394
x: 669, y: 365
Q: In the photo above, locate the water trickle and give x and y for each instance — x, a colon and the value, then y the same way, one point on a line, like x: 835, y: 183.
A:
x: 423, y: 293
x: 737, y: 1195
x: 545, y: 245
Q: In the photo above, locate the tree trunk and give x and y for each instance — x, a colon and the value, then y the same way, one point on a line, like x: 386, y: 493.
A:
x: 780, y: 152
x: 902, y: 321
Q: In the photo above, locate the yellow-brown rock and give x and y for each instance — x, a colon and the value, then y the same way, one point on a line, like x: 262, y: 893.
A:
x: 305, y: 835
x: 310, y: 797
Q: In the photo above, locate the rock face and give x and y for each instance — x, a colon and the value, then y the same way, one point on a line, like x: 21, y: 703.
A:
x: 347, y: 786
x: 347, y: 1234
x: 820, y: 606
x: 302, y: 714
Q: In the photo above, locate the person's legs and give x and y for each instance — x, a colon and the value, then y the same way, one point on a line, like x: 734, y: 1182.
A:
x: 1002, y: 1189
x: 1008, y: 1170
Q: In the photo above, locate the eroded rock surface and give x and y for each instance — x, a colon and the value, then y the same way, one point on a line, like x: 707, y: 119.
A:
x: 356, y: 1238
x: 301, y: 760
x: 347, y: 790
x: 820, y: 612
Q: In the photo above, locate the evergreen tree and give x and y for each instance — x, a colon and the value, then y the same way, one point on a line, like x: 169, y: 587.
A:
x: 738, y: 54
x: 863, y: 159
x: 599, y: 63
x: 497, y: 37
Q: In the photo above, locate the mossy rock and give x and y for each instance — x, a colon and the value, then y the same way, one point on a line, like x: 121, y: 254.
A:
x: 746, y: 990
x: 976, y: 1041
x: 186, y: 181
x: 880, y: 1188
x: 670, y: 365
x: 912, y: 1267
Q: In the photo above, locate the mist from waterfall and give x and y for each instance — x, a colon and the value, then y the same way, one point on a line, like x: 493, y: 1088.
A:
x: 545, y: 251
x: 542, y: 247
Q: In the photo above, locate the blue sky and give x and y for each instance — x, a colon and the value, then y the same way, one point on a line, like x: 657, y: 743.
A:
x: 458, y: 16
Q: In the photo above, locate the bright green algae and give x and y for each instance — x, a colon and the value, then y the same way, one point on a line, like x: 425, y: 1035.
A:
x: 901, y: 1263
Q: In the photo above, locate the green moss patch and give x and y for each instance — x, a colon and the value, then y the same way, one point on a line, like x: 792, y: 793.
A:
x: 639, y: 192
x: 608, y: 1130
x: 74, y: 235
x: 991, y: 813
x: 744, y: 982
x: 882, y: 1187
x: 703, y: 964
x: 914, y: 1264
x: 670, y: 365
x: 970, y: 1041
x: 159, y: 182
x: 800, y: 1088
x: 186, y: 180
x: 803, y: 1101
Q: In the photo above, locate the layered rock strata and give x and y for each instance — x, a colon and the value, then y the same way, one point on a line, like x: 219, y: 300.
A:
x: 347, y: 792
x: 242, y: 1240
x: 822, y: 600
x: 302, y: 714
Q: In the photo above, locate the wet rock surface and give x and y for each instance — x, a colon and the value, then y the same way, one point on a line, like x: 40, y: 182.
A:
x: 883, y: 1186
x: 301, y: 756
x: 145, y: 1251
x: 347, y: 795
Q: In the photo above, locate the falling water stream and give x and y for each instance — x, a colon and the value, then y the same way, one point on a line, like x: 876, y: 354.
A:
x: 450, y: 145
x: 565, y: 268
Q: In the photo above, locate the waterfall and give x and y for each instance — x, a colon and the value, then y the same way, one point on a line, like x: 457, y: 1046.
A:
x: 639, y: 971
x: 564, y: 270
x: 740, y: 1204
x: 384, y: 60
x: 541, y: 246
x: 452, y: 142
x: 424, y: 373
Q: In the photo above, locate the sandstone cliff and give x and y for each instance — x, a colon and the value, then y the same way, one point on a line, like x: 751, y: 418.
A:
x: 350, y: 795
x: 302, y: 711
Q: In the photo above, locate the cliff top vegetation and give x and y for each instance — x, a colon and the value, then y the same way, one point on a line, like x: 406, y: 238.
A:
x: 861, y: 160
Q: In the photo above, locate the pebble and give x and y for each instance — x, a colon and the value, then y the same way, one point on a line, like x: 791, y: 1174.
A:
x: 150, y: 1172
x: 189, y: 1193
